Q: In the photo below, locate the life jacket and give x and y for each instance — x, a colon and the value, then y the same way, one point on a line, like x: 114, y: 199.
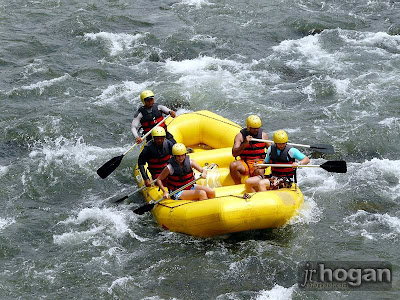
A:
x: 181, y: 176
x: 253, y: 150
x: 159, y: 157
x: 149, y: 120
x: 283, y: 158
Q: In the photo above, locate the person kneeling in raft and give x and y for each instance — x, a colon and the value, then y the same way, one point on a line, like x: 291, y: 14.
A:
x: 178, y: 172
x: 278, y: 153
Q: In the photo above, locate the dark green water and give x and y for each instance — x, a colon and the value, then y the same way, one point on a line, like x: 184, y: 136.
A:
x: 71, y: 73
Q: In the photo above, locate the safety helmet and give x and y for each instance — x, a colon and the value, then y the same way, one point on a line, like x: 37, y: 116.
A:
x: 280, y: 136
x: 146, y: 94
x: 178, y: 149
x: 158, y: 131
x: 253, y: 121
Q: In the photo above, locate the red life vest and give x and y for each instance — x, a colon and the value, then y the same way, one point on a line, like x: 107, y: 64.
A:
x: 159, y: 157
x: 149, y: 120
x: 283, y: 158
x: 181, y: 176
x: 253, y: 150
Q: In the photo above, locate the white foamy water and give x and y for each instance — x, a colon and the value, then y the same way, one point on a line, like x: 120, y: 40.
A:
x: 4, y: 223
x: 120, y: 282
x: 104, y: 222
x: 308, y: 52
x: 197, y: 3
x: 37, y: 66
x: 391, y: 122
x: 373, y: 225
x: 41, y: 85
x: 228, y: 76
x: 276, y: 293
x: 127, y: 91
x: 62, y: 151
x: 3, y: 170
x: 116, y: 43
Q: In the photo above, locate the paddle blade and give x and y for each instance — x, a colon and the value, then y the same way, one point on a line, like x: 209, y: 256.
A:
x: 109, y: 166
x: 143, y: 209
x: 120, y: 200
x: 336, y: 166
x: 323, y: 148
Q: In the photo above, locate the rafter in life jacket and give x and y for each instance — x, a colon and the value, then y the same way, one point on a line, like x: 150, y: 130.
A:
x: 159, y: 157
x: 283, y: 158
x: 181, y: 176
x: 149, y: 120
x: 253, y: 150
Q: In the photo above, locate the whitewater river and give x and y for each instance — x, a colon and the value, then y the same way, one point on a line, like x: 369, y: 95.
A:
x: 70, y: 76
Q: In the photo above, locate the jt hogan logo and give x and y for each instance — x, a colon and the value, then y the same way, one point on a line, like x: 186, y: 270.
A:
x: 345, y: 275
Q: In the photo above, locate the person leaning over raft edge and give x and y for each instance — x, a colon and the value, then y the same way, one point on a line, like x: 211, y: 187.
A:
x: 149, y: 115
x: 278, y: 153
x: 249, y: 152
x: 179, y: 172
x: 156, y: 154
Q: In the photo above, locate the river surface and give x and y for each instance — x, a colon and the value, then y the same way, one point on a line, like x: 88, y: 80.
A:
x: 71, y: 72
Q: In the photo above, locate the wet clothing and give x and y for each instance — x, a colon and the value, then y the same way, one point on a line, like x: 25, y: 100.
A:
x: 282, y: 177
x: 148, y: 118
x: 254, y: 150
x: 179, y: 176
x: 253, y: 153
x: 249, y: 166
x: 155, y: 157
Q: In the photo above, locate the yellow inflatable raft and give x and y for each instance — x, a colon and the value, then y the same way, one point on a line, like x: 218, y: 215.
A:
x: 211, y: 137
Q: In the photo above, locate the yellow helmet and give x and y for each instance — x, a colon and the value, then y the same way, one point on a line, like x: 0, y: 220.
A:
x: 280, y: 136
x: 178, y: 149
x: 146, y: 94
x: 253, y: 121
x: 158, y: 131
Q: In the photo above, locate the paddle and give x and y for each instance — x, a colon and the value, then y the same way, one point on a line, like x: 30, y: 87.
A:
x: 138, y: 190
x: 148, y: 207
x: 335, y: 166
x: 317, y: 147
x: 114, y: 162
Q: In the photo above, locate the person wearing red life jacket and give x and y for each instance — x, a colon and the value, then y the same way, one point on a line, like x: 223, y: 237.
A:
x: 149, y: 115
x: 249, y: 152
x: 178, y: 172
x: 278, y: 153
x: 156, y: 154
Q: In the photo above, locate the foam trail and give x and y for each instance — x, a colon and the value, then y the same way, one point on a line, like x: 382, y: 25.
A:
x: 120, y: 282
x: 4, y: 223
x: 62, y: 150
x: 373, y: 225
x: 197, y: 3
x: 127, y: 90
x: 4, y: 170
x: 116, y: 42
x: 105, y: 222
x: 40, y: 86
x: 277, y: 293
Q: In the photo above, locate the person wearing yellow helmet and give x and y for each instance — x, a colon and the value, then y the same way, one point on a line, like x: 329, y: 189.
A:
x: 179, y: 172
x: 249, y: 152
x: 278, y: 153
x: 156, y: 154
x: 150, y: 114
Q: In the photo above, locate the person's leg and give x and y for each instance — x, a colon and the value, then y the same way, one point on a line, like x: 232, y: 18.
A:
x: 264, y: 185
x: 193, y: 195
x: 252, y: 184
x: 237, y: 170
x: 209, y: 191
